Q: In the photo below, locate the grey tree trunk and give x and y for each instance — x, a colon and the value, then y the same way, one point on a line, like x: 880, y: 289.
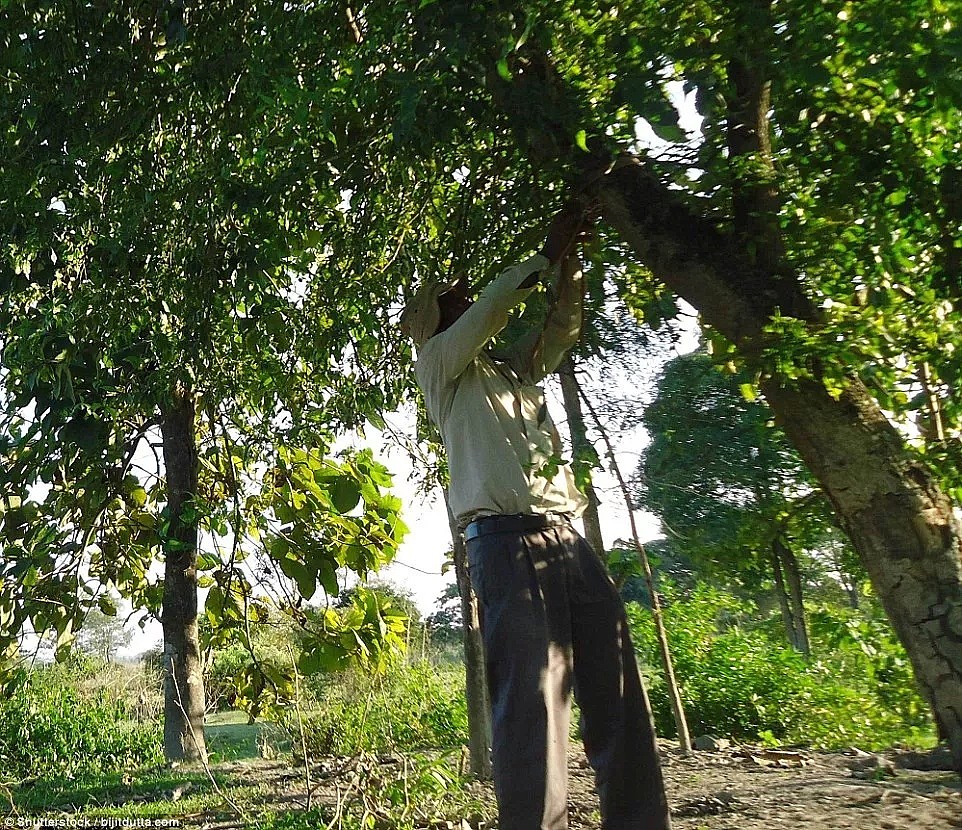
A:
x: 794, y: 579
x: 476, y: 686
x: 782, y: 594
x: 184, y: 699
x: 580, y: 444
x: 887, y: 501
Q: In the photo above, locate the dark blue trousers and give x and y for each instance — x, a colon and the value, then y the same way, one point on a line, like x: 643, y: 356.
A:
x: 553, y: 622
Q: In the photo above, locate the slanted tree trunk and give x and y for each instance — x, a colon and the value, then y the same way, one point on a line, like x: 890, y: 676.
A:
x: 889, y: 504
x: 581, y: 447
x: 782, y: 594
x: 793, y: 578
x: 184, y: 699
x: 476, y: 687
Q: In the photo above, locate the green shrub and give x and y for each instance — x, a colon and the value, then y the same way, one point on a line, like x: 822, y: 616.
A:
x: 51, y: 726
x: 221, y: 676
x: 739, y: 678
x: 412, y: 707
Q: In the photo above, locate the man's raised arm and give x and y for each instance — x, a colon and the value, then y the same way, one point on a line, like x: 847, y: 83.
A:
x: 459, y: 344
x: 539, y: 352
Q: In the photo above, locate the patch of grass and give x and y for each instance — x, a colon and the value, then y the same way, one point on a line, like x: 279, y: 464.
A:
x: 105, y: 789
x: 405, y: 793
x: 231, y: 738
x: 412, y: 707
x: 304, y: 820
x: 50, y: 726
x: 150, y: 793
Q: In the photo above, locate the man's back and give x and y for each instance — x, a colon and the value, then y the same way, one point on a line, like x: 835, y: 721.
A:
x: 503, y: 448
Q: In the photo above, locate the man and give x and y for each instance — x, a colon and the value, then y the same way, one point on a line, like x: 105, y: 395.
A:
x: 551, y: 617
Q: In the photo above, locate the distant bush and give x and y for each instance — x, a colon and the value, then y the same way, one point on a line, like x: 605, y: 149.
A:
x: 220, y: 676
x: 53, y: 725
x: 412, y: 707
x: 739, y: 678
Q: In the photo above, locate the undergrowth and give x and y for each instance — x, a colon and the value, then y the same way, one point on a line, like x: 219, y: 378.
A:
x: 740, y: 679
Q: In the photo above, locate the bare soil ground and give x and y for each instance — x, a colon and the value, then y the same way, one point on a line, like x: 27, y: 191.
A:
x: 751, y: 788
x: 756, y: 789
x: 722, y: 788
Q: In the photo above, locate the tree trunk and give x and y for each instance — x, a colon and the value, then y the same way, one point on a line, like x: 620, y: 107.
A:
x: 476, y: 687
x: 184, y: 699
x: 789, y: 563
x: 890, y: 506
x: 581, y: 447
x: 888, y: 503
x: 782, y: 594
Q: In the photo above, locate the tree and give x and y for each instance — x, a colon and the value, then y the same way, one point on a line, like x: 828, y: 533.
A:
x: 446, y: 623
x: 475, y: 667
x: 732, y: 494
x: 165, y: 210
x: 823, y: 257
x: 517, y: 100
x: 103, y: 634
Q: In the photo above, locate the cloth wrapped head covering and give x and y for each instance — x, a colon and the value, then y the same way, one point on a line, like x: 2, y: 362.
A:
x: 422, y: 315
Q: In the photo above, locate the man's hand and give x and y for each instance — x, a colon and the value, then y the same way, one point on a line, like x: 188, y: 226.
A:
x: 571, y: 225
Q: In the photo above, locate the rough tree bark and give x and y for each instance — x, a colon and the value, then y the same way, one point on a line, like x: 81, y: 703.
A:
x: 889, y: 504
x: 579, y: 441
x: 184, y: 699
x: 476, y: 687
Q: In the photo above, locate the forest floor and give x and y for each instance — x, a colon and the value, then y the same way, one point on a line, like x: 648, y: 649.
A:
x: 751, y: 788
x: 723, y: 788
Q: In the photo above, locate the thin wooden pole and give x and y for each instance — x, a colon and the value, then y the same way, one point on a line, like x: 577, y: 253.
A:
x: 674, y: 692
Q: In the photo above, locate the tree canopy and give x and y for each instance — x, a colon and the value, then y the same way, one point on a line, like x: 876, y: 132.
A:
x: 225, y: 205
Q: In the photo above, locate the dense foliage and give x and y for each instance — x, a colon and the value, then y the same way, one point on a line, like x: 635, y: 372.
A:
x: 739, y: 678
x: 55, y: 726
x: 166, y: 211
x: 416, y: 706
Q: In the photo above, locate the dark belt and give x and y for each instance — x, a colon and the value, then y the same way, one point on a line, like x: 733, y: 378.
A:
x: 514, y: 523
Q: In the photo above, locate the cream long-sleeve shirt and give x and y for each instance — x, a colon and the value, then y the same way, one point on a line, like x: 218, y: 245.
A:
x: 502, y: 446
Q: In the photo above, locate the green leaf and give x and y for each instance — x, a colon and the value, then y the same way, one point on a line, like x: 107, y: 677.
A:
x: 669, y: 132
x: 581, y: 140
x: 323, y: 656
x: 138, y: 496
x: 304, y: 577
x: 503, y: 69
x: 214, y: 605
x: 345, y: 493
x: 328, y: 576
